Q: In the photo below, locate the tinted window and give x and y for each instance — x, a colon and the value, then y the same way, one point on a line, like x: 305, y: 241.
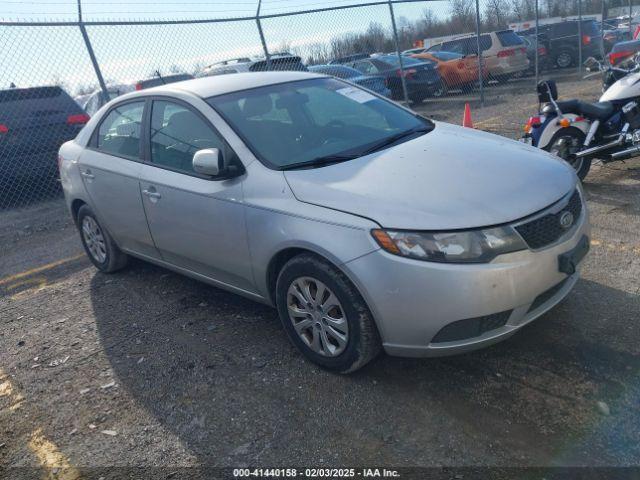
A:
x: 393, y: 60
x: 290, y: 123
x: 367, y: 67
x: 177, y: 133
x: 339, y: 71
x: 119, y: 132
x: 509, y: 39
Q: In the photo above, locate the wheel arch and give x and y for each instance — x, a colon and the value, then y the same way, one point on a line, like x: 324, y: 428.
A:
x: 76, y: 205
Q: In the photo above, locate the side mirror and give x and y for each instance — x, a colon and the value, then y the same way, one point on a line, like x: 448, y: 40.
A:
x: 208, y: 162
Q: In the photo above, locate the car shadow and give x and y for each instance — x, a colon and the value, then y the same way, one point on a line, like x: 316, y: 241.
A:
x: 218, y: 371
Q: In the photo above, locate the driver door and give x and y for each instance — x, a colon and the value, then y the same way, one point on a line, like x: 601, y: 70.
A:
x: 197, y: 222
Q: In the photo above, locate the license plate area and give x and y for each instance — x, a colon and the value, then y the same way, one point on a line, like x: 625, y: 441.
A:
x: 568, y: 261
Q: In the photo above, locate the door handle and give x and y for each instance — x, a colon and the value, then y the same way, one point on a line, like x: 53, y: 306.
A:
x: 152, y: 194
x: 87, y: 174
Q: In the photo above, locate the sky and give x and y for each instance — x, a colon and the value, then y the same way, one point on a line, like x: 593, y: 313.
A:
x: 46, y: 55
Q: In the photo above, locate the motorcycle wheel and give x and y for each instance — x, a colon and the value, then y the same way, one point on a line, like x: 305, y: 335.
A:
x: 565, y: 143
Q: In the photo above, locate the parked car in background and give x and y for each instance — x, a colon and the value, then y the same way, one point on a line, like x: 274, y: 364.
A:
x: 366, y: 225
x: 82, y: 100
x: 97, y: 99
x: 623, y: 51
x: 543, y: 52
x: 34, y: 122
x: 612, y: 36
x: 375, y: 83
x: 276, y: 62
x: 563, y: 41
x: 504, y: 53
x: 421, y: 77
x: 455, y: 69
x: 162, y: 80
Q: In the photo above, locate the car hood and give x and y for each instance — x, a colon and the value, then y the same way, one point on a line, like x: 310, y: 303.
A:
x: 450, y: 178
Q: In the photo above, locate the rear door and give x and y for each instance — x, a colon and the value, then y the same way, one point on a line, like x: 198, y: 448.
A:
x: 110, y: 168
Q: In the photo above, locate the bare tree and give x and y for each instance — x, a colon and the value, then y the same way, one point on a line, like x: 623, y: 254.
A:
x: 463, y: 17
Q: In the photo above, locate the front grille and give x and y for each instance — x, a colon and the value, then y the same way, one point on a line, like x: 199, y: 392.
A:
x: 547, y: 295
x: 547, y: 229
x: 471, y: 327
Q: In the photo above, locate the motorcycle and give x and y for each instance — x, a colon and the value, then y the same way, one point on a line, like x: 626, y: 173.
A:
x: 579, y: 132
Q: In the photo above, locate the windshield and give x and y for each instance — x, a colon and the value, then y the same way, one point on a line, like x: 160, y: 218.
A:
x: 314, y: 120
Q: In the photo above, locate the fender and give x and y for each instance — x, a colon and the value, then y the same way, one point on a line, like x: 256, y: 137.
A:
x: 547, y: 130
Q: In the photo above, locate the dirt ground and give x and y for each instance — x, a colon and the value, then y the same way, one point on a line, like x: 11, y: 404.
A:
x: 146, y: 368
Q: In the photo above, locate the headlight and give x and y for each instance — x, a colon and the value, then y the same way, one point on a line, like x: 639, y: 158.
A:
x: 472, y: 246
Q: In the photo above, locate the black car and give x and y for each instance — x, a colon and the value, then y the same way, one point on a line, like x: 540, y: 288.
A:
x: 543, y: 52
x: 34, y: 122
x: 421, y: 77
x: 563, y: 40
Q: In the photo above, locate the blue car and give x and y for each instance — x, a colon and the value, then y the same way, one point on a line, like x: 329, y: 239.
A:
x: 375, y: 83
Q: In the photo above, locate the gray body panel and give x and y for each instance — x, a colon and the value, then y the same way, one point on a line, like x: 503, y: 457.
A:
x: 227, y: 232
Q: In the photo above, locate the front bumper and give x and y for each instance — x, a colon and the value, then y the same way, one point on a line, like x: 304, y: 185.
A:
x: 412, y: 301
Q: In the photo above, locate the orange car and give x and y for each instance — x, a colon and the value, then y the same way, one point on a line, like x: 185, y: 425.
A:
x: 455, y: 69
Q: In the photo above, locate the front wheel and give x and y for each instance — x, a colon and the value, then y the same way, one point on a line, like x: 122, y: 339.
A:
x: 325, y: 316
x: 565, y: 143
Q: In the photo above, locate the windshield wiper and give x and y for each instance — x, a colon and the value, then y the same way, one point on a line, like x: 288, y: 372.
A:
x: 331, y: 159
x: 394, y: 138
x: 320, y: 162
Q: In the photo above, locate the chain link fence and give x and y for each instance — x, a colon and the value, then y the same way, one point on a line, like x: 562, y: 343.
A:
x: 56, y: 74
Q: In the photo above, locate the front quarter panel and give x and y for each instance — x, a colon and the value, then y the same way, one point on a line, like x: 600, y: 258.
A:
x: 277, y: 221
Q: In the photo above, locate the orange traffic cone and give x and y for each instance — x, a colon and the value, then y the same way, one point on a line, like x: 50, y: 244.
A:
x: 466, y: 118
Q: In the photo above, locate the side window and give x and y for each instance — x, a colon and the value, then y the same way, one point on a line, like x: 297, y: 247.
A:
x: 119, y: 132
x: 365, y: 67
x: 456, y: 46
x: 177, y: 133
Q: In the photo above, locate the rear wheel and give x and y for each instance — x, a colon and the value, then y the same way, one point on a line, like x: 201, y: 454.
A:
x: 564, y: 58
x: 98, y: 244
x: 565, y: 144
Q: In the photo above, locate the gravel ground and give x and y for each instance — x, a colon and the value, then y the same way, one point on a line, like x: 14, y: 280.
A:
x: 149, y: 368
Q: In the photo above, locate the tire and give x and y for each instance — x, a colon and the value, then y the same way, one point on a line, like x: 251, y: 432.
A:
x: 98, y: 244
x: 360, y: 339
x: 564, y: 144
x: 564, y: 58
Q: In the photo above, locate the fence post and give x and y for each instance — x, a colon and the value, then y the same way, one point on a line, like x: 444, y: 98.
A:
x: 580, y: 37
x: 261, y: 33
x: 603, y: 10
x: 397, y: 43
x: 92, y: 56
x: 537, y: 59
x: 480, y: 59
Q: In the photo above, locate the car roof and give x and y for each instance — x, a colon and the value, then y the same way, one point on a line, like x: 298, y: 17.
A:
x: 212, y: 86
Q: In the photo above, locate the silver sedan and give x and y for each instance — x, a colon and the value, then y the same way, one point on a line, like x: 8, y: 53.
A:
x: 366, y: 225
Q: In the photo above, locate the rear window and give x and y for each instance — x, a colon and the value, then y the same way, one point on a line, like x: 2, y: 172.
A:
x: 509, y: 39
x: 279, y: 64
x: 393, y: 60
x: 590, y: 28
x: 16, y: 94
x: 337, y: 71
